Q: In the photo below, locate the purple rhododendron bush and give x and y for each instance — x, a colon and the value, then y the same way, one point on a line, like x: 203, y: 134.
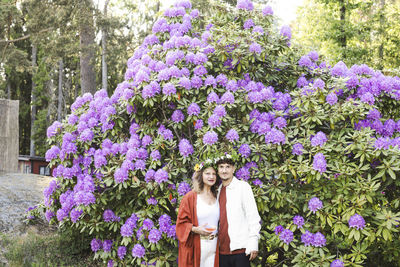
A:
x: 319, y: 144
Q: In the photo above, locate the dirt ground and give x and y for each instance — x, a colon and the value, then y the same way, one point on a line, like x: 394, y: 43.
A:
x: 18, y: 192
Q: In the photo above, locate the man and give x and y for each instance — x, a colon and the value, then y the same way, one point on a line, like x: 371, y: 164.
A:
x: 239, y: 219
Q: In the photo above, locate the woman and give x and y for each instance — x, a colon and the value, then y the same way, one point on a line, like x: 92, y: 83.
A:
x: 196, y: 225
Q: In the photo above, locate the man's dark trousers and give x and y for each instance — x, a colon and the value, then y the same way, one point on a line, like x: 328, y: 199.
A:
x: 234, y: 260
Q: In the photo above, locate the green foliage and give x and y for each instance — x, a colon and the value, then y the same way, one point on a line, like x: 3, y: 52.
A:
x: 360, y: 177
x: 46, y: 249
x: 53, y: 26
x: 352, y: 31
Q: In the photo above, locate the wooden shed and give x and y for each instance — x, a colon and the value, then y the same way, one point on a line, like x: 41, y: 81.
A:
x: 36, y: 165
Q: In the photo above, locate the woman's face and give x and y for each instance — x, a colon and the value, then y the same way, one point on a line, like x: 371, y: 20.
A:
x: 209, y: 176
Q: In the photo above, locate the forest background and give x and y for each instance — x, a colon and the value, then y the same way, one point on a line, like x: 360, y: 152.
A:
x: 52, y: 51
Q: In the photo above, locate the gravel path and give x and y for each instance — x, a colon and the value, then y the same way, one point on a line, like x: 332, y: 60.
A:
x: 18, y: 192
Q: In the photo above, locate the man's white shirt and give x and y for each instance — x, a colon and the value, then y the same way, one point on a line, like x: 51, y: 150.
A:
x: 242, y: 214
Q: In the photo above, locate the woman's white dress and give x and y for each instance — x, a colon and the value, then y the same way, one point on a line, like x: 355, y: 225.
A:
x: 207, y: 214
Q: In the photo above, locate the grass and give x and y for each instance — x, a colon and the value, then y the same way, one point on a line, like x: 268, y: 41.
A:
x: 43, y: 246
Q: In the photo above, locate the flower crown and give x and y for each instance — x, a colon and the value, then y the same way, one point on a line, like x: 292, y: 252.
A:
x: 212, y: 161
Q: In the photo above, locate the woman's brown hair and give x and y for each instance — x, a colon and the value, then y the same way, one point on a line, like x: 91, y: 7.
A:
x: 198, y: 183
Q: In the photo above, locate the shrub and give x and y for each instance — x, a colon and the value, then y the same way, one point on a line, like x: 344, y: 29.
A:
x: 317, y: 143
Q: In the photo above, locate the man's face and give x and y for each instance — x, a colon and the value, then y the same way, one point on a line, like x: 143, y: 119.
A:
x: 226, y: 171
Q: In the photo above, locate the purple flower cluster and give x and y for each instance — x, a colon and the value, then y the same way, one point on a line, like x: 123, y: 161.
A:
x: 96, y: 244
x: 286, y: 236
x: 154, y: 236
x: 319, y: 163
x: 298, y: 220
x: 138, y: 251
x: 198, y: 124
x: 220, y: 111
x: 297, y: 149
x: 331, y: 99
x: 337, y: 263
x: 86, y: 136
x: 318, y: 83
x: 319, y: 139
x: 307, y: 238
x: 161, y: 176
x: 166, y: 227
x: 248, y: 24
x: 121, y: 175
x: 286, y: 31
x: 155, y: 155
x: 340, y: 69
x: 177, y: 116
x: 316, y: 240
x: 213, y: 98
x: 245, y: 150
x: 183, y: 188
x: 258, y: 182
x: 255, y: 48
x: 129, y: 225
x: 243, y: 173
x: 52, y: 153
x: 275, y: 136
x: 48, y: 191
x: 49, y: 214
x: 232, y: 135
x: 214, y: 121
x: 121, y: 252
x: 148, y: 224
x: 227, y: 98
x: 386, y: 142
x: 245, y: 5
x: 193, y: 109
x: 165, y: 133
x: 185, y: 148
x: 107, y: 245
x: 152, y: 201
x: 267, y: 11
x: 279, y: 229
x: 258, y: 29
x: 210, y: 138
x: 280, y: 122
x: 315, y: 204
x: 54, y: 129
x: 319, y: 240
x: 357, y: 221
x: 109, y: 216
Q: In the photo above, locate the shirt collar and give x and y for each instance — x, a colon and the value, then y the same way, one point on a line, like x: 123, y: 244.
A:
x: 233, y: 183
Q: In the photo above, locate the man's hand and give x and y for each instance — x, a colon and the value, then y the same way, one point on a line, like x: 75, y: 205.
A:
x: 253, y: 255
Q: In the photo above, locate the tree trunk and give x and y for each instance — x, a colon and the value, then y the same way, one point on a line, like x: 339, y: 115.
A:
x: 104, y: 50
x: 60, y: 93
x: 33, y: 103
x: 382, y: 33
x: 343, y: 39
x: 8, y: 89
x: 77, y: 86
x: 87, y: 47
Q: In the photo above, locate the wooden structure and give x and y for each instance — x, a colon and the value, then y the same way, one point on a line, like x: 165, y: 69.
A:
x: 9, y: 134
x: 36, y: 165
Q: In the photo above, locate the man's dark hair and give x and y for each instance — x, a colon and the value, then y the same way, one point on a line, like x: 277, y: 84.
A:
x: 225, y: 161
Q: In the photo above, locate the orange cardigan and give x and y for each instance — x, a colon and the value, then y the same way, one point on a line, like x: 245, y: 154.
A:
x: 189, y: 242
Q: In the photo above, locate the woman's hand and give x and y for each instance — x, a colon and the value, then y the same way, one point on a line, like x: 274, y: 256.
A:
x: 201, y: 230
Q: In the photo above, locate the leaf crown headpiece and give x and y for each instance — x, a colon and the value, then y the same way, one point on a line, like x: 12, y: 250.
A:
x: 212, y: 161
